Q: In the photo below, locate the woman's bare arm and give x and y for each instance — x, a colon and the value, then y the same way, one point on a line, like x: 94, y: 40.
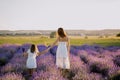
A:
x: 68, y: 45
x: 54, y: 43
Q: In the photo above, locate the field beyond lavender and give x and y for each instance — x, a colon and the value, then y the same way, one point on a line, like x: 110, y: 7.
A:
x: 88, y: 62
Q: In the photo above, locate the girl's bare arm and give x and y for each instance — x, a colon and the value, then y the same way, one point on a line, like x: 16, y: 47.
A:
x: 25, y: 53
x: 43, y: 52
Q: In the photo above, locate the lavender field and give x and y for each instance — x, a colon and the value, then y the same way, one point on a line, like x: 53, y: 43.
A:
x: 88, y: 62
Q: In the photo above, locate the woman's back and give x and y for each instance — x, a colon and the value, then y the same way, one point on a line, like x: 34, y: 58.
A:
x: 62, y: 49
x: 64, y: 39
x: 62, y: 57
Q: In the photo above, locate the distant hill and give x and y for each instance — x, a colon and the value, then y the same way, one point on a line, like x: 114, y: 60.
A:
x: 106, y: 32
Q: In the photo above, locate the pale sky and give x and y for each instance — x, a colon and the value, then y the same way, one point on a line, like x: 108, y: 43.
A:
x: 51, y: 14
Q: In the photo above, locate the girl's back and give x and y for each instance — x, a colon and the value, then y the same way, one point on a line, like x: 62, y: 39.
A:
x: 30, y: 54
x: 31, y: 60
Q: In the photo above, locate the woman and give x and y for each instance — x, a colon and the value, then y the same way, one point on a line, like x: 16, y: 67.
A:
x: 63, y: 50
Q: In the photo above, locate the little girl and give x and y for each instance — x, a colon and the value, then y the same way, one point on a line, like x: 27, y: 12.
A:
x: 31, y: 60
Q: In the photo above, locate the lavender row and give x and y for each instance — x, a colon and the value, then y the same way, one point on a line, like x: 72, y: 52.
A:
x: 87, y: 63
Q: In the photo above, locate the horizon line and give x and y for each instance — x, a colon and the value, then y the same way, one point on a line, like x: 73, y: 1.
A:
x: 53, y: 29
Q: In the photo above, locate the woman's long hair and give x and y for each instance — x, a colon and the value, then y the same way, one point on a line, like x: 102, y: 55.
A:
x: 61, y: 32
x: 32, y: 48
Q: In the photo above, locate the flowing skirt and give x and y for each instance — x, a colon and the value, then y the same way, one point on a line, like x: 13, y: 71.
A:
x: 31, y: 63
x: 62, y: 58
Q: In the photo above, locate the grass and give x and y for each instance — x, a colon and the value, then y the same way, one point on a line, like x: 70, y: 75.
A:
x: 112, y: 41
x: 102, y: 42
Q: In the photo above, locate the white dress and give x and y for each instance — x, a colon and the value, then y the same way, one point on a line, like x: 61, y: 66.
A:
x: 31, y: 60
x: 62, y: 57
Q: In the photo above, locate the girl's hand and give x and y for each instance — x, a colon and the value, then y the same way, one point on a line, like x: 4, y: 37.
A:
x: 24, y: 54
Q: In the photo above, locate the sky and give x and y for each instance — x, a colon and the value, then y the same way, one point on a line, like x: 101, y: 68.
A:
x: 52, y: 14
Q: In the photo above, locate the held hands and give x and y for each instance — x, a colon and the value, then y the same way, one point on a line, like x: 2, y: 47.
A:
x: 45, y: 51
